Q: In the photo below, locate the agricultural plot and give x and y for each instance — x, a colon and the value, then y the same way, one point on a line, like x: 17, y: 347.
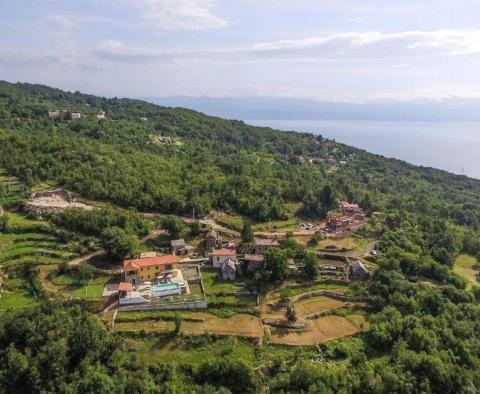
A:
x: 242, y: 325
x: 14, y: 295
x: 198, y: 323
x: 69, y: 284
x: 316, y: 331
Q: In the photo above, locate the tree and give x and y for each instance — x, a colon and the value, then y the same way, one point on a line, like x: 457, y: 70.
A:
x: 118, y: 243
x: 173, y: 225
x: 247, y: 233
x: 326, y: 199
x: 195, y: 228
x: 284, y: 296
x: 276, y: 265
x: 311, y: 265
x: 316, y: 238
x: 290, y: 314
x: 85, y: 272
x: 178, y: 323
x: 4, y: 226
x: 63, y: 267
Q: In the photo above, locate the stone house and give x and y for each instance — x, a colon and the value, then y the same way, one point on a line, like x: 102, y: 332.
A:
x: 262, y: 245
x: 359, y: 271
x: 211, y: 239
x: 228, y: 270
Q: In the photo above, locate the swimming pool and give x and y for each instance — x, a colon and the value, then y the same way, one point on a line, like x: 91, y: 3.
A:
x: 165, y: 287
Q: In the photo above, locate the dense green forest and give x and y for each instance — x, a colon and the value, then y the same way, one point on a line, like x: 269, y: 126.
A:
x: 424, y: 336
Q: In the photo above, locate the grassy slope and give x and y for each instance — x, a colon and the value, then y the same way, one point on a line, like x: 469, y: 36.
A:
x: 467, y: 267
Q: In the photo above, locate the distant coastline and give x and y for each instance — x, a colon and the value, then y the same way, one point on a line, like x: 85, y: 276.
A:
x: 451, y: 146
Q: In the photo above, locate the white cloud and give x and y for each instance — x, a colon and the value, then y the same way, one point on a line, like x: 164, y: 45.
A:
x: 364, y: 45
x: 350, y: 46
x: 55, y: 22
x: 173, y: 15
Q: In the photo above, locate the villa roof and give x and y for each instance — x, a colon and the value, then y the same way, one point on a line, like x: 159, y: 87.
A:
x: 266, y: 242
x: 224, y: 252
x: 149, y: 261
x: 125, y: 286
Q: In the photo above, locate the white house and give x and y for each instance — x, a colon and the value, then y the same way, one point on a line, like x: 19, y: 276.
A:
x: 75, y: 115
x: 221, y: 256
x: 101, y: 115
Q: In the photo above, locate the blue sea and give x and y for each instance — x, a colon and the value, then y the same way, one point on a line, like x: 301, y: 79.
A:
x: 450, y: 146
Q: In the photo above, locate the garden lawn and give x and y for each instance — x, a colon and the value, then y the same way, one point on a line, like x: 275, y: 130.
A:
x: 214, y: 284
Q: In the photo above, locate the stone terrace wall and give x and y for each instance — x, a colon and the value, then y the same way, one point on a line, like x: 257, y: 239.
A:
x: 201, y: 305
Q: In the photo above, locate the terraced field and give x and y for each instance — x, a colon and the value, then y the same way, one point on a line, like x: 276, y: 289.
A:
x: 11, y: 189
x: 29, y: 241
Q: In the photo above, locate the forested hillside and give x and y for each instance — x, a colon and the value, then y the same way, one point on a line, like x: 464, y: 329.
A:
x: 425, y: 319
x: 212, y: 164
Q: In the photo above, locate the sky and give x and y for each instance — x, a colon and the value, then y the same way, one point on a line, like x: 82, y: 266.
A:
x: 334, y: 50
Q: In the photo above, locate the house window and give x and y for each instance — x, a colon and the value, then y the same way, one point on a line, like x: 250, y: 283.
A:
x: 168, y: 267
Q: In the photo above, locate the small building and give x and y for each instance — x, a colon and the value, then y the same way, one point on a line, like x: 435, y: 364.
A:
x: 221, y: 256
x: 177, y: 245
x: 125, y: 289
x: 262, y: 245
x: 228, y: 270
x: 75, y: 115
x: 180, y: 247
x: 211, y: 239
x: 101, y: 115
x: 350, y: 209
x: 54, y: 114
x: 137, y: 270
x: 254, y: 262
x: 359, y: 271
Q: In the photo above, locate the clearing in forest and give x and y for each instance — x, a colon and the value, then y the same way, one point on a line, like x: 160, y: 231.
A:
x: 466, y: 266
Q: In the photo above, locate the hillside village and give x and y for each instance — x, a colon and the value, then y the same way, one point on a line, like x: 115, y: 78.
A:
x: 190, y: 249
x: 183, y: 274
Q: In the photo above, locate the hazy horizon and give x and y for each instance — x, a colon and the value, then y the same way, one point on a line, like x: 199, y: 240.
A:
x: 322, y: 50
